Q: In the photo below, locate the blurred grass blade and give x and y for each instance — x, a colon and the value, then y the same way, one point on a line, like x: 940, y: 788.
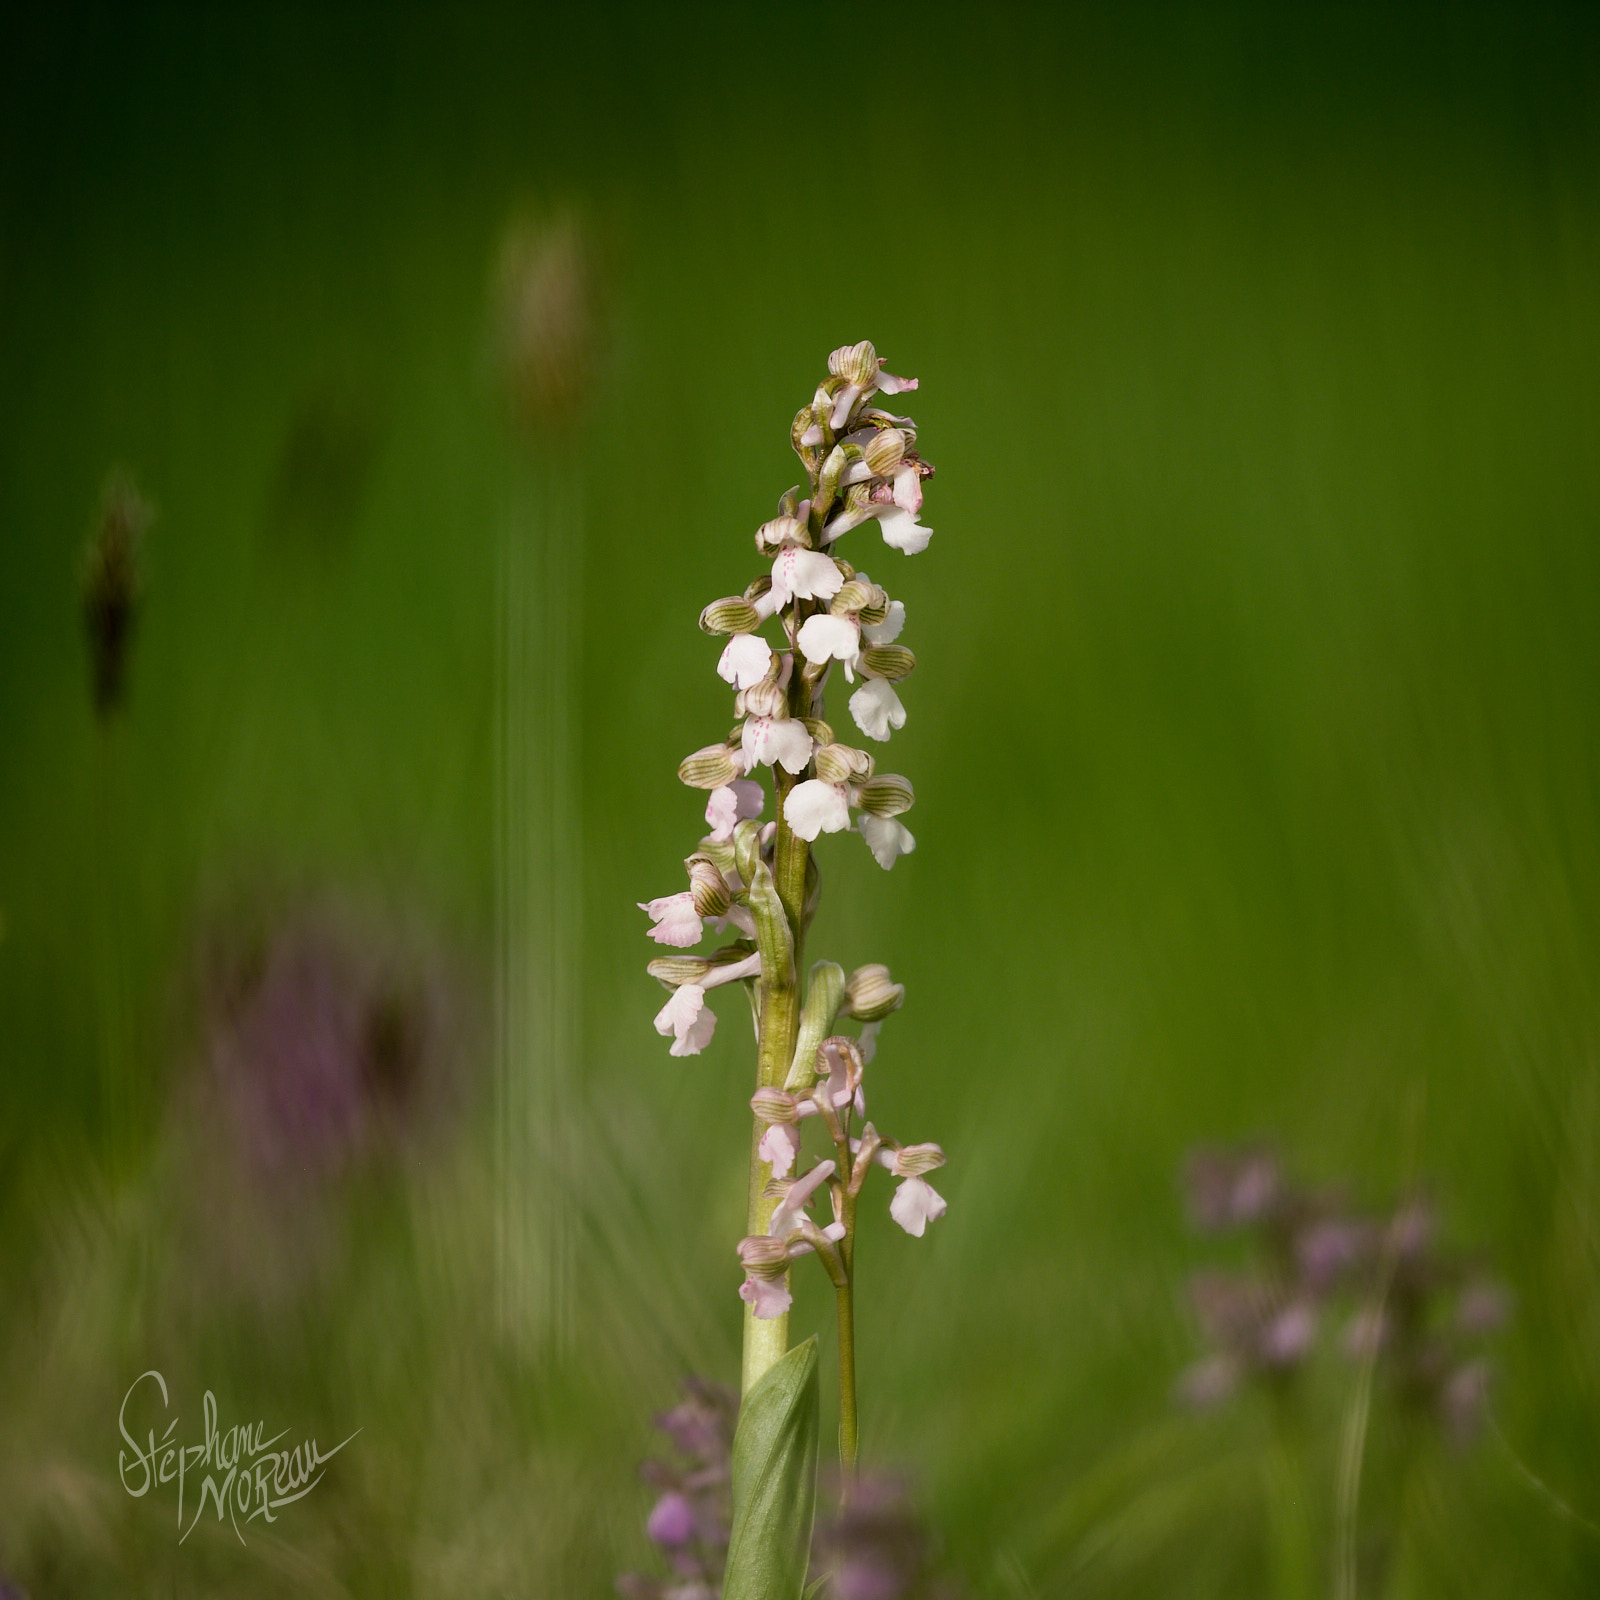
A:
x: 775, y: 1481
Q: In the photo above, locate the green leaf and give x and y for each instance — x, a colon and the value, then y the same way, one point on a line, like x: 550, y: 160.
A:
x: 816, y: 1589
x: 817, y: 1017
x: 775, y: 1481
x: 773, y: 938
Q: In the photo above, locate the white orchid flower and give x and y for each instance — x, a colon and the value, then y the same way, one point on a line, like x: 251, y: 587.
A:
x: 772, y: 739
x: 825, y: 637
x: 815, y: 807
x: 876, y: 707
x: 745, y: 660
x: 901, y: 529
x: 803, y: 575
x: 887, y: 838
x: 887, y: 631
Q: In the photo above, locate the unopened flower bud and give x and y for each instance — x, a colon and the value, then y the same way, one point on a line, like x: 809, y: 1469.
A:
x: 886, y: 795
x: 912, y: 1160
x: 856, y: 363
x: 884, y: 451
x: 707, y: 971
x: 872, y: 993
x: 720, y: 853
x: 858, y: 595
x: 804, y: 432
x: 839, y: 763
x: 765, y: 699
x: 674, y: 971
x: 707, y: 887
x: 732, y: 615
x: 763, y: 1256
x: 891, y: 661
x: 709, y: 768
x: 876, y: 612
x: 775, y: 1105
x: 782, y: 533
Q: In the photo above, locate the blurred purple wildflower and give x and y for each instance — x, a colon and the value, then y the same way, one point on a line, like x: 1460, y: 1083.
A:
x: 692, y: 1514
x: 874, y: 1547
x: 1229, y: 1189
x: 329, y: 1037
x: 1403, y: 1301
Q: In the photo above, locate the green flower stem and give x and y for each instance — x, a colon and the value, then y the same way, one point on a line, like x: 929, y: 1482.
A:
x: 849, y: 1442
x: 767, y: 1339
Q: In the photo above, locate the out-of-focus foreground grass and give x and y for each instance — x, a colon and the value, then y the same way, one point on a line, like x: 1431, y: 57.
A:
x: 1254, y: 738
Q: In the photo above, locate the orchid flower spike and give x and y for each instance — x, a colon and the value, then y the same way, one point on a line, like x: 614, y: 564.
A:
x: 806, y: 611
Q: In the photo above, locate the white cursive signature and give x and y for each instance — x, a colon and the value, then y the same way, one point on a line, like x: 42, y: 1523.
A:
x: 258, y: 1479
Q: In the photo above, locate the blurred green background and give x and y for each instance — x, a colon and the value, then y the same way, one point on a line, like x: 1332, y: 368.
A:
x: 1254, y: 739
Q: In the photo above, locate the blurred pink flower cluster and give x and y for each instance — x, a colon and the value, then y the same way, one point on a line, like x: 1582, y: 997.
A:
x: 1382, y: 1285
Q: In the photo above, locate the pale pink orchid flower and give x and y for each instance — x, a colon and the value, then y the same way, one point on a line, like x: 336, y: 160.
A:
x: 766, y: 1297
x: 907, y: 490
x: 732, y: 804
x: 916, y: 1203
x: 844, y: 1078
x: 780, y: 1145
x: 789, y: 1210
x: 676, y: 921
x: 736, y: 916
x: 686, y: 1018
x: 845, y: 401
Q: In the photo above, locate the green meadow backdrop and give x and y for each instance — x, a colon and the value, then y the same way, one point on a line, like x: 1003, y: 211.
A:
x: 1254, y: 737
